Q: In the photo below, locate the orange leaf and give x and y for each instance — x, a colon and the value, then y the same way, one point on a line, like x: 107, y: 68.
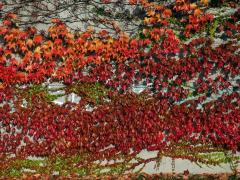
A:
x: 180, y: 1
x: 167, y: 13
x: 37, y: 39
x: 132, y: 2
x: 58, y: 42
x: 29, y: 43
x: 197, y: 12
x: 205, y: 2
x: 7, y: 52
x: 29, y: 68
x: 7, y: 23
x: 36, y: 55
x: 146, y: 20
x: 103, y: 33
x: 32, y: 30
x: 193, y: 6
x: 56, y: 20
x: 12, y: 16
x: 1, y: 86
x: 14, y: 62
x: 151, y: 13
x: 159, y: 8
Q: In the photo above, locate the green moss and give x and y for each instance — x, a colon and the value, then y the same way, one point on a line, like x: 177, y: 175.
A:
x: 211, y: 28
x: 66, y: 166
x: 14, y: 172
x: 95, y: 92
x: 39, y: 92
x: 15, y: 169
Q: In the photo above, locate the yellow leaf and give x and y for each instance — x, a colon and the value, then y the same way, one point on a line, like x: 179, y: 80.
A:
x: 193, y: 6
x: 146, y: 20
x: 110, y: 40
x: 151, y: 13
x: 37, y: 50
x: 205, y: 2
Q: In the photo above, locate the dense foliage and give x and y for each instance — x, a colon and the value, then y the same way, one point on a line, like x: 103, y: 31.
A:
x: 189, y: 108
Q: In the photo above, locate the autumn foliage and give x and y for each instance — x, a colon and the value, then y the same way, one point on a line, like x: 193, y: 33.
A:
x: 191, y: 99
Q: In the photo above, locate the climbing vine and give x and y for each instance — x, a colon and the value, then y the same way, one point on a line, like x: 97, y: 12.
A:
x: 189, y: 106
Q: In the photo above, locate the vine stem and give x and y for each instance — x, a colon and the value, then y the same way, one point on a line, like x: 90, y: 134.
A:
x: 173, y: 166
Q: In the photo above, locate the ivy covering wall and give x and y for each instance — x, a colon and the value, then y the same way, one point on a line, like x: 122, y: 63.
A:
x: 188, y: 65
